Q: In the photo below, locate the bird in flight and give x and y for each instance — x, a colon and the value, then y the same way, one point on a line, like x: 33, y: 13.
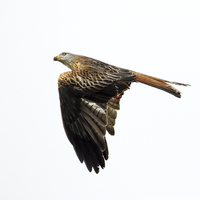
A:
x: 89, y: 98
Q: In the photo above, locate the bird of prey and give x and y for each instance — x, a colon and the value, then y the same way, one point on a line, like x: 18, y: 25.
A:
x: 89, y: 98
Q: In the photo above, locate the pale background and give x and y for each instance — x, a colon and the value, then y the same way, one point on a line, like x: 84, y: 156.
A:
x: 155, y: 153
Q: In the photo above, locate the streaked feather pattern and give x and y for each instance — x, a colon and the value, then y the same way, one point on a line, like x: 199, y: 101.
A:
x: 90, y: 96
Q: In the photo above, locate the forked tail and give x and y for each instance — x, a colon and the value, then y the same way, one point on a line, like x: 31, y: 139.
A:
x: 159, y: 83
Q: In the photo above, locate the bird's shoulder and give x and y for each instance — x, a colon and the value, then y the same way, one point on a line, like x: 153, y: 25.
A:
x: 86, y: 77
x: 86, y: 63
x: 67, y: 78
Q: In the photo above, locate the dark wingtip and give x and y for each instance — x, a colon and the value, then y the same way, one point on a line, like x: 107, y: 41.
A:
x: 179, y: 95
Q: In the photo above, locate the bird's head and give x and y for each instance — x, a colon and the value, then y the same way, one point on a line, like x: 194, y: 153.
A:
x: 65, y: 58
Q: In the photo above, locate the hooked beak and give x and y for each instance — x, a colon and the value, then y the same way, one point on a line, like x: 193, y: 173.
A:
x: 57, y: 58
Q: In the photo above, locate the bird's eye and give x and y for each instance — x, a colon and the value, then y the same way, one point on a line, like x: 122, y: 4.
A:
x: 64, y: 54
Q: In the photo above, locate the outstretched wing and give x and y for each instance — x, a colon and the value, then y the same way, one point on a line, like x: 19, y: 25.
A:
x: 84, y: 123
x: 84, y: 104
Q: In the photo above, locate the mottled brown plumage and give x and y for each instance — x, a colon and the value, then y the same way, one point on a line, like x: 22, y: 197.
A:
x: 89, y: 99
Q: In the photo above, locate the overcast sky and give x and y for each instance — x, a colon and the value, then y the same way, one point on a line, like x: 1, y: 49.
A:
x: 155, y: 153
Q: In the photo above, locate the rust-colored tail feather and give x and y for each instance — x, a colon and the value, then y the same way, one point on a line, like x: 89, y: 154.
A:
x: 159, y: 83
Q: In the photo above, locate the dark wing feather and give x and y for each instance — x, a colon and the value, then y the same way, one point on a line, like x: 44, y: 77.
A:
x: 85, y: 130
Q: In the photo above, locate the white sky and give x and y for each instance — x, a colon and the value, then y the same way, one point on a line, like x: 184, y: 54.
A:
x: 155, y: 153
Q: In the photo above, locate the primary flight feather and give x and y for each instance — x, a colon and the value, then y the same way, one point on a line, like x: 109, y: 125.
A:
x: 89, y: 98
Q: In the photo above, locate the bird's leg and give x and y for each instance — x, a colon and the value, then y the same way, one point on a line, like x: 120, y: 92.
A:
x: 118, y: 96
